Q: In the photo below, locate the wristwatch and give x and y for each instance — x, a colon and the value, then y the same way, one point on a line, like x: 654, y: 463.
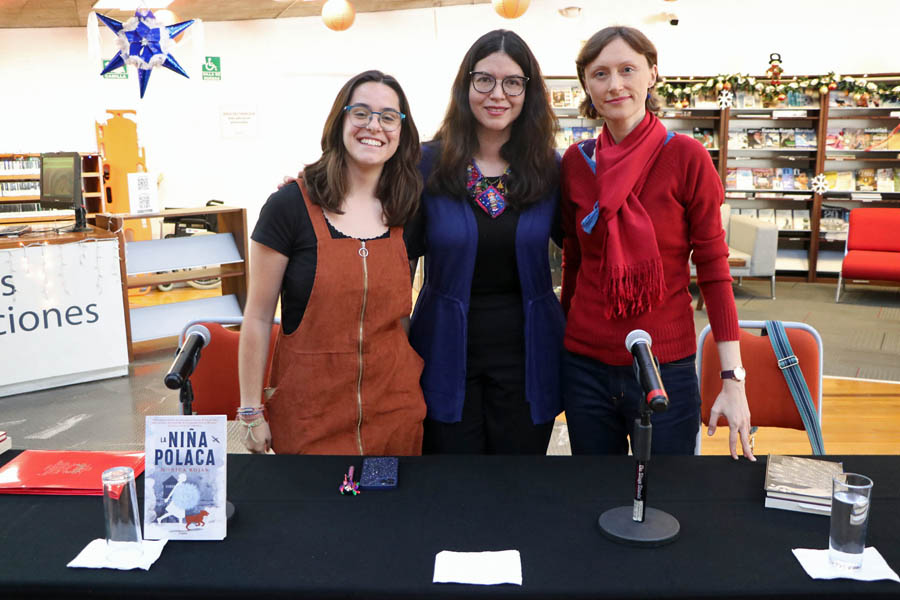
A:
x: 737, y: 373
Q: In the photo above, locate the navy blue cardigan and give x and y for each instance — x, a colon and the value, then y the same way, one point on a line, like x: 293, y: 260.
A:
x: 438, y: 328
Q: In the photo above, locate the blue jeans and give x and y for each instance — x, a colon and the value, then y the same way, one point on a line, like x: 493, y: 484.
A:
x: 602, y: 402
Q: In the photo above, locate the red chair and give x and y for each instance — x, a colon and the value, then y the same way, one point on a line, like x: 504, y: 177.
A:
x: 872, y: 252
x: 215, y: 379
x: 768, y: 394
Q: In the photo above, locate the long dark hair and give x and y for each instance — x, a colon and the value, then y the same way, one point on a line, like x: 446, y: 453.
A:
x: 400, y: 184
x: 529, y: 150
x: 638, y: 42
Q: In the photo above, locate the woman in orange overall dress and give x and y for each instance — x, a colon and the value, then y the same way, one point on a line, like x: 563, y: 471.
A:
x: 344, y: 378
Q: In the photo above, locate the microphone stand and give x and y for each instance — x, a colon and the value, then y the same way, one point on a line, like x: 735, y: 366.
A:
x: 186, y: 397
x: 640, y: 525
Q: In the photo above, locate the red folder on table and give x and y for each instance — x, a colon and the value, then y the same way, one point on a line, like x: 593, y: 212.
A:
x: 63, y: 472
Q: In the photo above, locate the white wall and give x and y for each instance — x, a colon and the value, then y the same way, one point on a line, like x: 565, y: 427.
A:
x: 289, y: 70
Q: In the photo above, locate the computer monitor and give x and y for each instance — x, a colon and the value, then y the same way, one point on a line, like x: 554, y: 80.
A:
x: 61, y: 185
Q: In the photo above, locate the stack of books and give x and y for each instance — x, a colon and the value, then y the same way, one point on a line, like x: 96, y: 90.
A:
x: 63, y: 473
x: 800, y: 484
x: 5, y: 442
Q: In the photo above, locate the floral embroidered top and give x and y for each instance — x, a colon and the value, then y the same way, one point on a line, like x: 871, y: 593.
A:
x: 489, y: 193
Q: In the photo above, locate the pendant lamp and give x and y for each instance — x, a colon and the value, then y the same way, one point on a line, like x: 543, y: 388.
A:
x: 338, y: 14
x: 511, y: 9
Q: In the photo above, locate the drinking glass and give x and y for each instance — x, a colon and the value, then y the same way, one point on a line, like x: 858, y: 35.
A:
x: 120, y: 509
x: 850, y: 498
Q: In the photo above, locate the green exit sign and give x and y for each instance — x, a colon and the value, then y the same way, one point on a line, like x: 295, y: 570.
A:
x: 121, y: 73
x: 212, y: 68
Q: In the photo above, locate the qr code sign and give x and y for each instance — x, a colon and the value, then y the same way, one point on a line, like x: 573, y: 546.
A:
x: 142, y: 193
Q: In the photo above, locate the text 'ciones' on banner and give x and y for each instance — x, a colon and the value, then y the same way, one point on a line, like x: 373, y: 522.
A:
x: 61, y: 310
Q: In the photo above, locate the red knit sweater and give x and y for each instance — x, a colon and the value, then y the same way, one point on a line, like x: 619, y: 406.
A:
x: 682, y: 195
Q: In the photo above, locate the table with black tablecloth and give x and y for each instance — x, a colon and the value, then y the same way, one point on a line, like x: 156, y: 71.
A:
x: 293, y: 534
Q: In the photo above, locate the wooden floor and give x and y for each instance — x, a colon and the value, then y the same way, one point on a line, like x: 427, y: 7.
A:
x: 152, y: 297
x: 858, y: 417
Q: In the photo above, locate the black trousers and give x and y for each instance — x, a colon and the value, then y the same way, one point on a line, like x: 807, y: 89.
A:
x: 496, y: 416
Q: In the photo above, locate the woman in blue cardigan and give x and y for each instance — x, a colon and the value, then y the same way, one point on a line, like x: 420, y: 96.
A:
x: 487, y: 321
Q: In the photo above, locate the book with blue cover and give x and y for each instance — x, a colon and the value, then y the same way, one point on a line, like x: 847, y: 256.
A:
x: 184, y: 477
x: 804, y: 137
x: 583, y: 133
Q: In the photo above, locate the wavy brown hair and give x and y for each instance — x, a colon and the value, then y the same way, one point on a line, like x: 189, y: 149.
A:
x: 400, y: 184
x: 638, y: 42
x: 530, y: 148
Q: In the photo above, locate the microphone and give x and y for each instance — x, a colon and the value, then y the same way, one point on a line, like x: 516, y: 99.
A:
x: 638, y: 343
x: 195, y: 339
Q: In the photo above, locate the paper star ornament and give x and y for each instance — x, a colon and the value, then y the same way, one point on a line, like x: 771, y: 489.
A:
x: 144, y: 43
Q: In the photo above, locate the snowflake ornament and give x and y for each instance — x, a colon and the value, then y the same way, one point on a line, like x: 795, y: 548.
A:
x: 144, y: 42
x: 726, y: 99
x: 819, y: 184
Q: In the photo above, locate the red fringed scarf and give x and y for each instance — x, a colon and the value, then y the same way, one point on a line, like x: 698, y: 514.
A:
x: 632, y: 273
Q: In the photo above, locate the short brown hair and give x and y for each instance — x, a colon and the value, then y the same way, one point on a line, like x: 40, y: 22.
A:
x: 400, y: 184
x: 639, y: 42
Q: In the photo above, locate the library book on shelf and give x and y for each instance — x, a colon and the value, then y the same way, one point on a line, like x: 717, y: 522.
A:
x: 800, y: 484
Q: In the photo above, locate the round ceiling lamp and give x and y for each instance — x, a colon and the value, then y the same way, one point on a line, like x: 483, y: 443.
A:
x: 511, y: 9
x: 338, y: 14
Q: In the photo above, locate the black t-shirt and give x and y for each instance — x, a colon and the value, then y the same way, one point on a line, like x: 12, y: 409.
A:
x: 284, y: 226
x: 496, y: 316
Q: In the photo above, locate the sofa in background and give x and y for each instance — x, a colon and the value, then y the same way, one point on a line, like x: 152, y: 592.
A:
x: 754, y: 241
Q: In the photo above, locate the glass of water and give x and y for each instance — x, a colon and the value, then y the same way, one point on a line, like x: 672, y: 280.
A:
x: 123, y: 526
x: 850, y: 498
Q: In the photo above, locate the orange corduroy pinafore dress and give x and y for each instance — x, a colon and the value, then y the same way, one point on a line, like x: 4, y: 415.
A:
x: 346, y: 381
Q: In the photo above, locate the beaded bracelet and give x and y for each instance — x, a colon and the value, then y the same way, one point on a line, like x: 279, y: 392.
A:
x: 249, y: 411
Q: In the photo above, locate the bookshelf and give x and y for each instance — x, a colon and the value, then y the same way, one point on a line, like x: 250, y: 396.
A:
x: 861, y: 163
x: 177, y: 259
x: 772, y: 157
x: 767, y: 151
x: 20, y: 175
x: 565, y: 96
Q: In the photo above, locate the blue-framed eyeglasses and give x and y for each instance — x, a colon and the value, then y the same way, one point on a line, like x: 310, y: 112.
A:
x: 361, y: 116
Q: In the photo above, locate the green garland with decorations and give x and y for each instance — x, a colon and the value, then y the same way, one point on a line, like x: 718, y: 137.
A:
x: 774, y: 90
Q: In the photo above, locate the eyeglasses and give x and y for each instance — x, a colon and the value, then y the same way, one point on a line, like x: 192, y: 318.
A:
x: 361, y: 116
x: 485, y: 83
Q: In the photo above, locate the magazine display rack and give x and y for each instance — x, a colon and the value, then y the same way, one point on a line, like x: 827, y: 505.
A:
x: 768, y: 155
x: 180, y: 259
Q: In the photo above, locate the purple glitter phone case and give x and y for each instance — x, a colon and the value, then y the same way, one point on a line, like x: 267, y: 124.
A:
x: 379, y: 473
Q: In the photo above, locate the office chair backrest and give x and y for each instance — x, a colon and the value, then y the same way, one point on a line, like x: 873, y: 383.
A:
x: 771, y: 403
x: 215, y: 380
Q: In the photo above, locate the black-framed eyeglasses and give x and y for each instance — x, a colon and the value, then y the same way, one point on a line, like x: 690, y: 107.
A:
x: 485, y: 83
x: 361, y: 116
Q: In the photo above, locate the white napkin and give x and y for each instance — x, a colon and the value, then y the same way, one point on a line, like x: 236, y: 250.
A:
x: 94, y: 556
x: 817, y: 566
x: 484, y: 568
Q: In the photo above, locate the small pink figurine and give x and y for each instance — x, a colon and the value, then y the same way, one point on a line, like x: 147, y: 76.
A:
x: 349, y: 486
